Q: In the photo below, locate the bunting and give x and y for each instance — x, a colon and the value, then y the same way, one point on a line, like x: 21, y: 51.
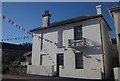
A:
x: 18, y: 38
x: 16, y: 25
x: 23, y: 29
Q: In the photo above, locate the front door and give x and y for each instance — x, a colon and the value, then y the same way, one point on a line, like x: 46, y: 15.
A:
x: 60, y: 61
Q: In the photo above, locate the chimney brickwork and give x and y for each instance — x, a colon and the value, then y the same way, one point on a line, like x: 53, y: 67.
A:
x: 46, y: 19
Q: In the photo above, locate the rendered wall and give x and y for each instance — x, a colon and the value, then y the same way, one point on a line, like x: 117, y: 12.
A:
x: 107, y: 47
x: 40, y: 70
x: 80, y: 73
x: 91, y: 31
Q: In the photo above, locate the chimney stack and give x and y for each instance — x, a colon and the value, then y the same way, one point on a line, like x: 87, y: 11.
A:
x: 99, y: 9
x: 46, y: 19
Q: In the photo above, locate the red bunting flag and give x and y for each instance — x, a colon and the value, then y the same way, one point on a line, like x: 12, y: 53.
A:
x: 16, y: 25
x: 8, y: 20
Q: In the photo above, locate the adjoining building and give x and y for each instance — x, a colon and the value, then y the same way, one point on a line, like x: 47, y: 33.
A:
x: 115, y: 13
x: 83, y: 48
x: 115, y: 53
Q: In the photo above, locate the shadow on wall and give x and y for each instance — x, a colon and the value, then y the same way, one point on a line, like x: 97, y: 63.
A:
x: 92, y: 50
x: 91, y: 47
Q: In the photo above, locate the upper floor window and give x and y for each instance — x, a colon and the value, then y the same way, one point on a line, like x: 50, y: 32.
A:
x: 41, y: 41
x: 78, y: 32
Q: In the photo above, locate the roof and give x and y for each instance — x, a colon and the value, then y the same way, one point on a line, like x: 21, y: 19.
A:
x: 69, y: 21
x: 115, y: 8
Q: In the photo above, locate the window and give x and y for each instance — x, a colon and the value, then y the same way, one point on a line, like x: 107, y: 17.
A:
x: 60, y: 38
x: 41, y: 41
x: 79, y: 60
x: 41, y: 58
x: 78, y: 32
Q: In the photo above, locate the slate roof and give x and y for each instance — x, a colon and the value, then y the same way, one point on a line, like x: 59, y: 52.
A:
x: 115, y: 8
x: 69, y: 21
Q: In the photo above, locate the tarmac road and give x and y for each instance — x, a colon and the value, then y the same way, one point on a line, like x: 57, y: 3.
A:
x: 11, y: 77
x: 45, y: 80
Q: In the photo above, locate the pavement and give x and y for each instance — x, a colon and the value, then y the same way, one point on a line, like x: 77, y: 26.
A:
x: 24, y: 77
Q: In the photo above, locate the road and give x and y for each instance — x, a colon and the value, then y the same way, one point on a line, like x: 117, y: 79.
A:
x: 11, y: 77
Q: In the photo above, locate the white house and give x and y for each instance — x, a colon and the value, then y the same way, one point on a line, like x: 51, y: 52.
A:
x: 77, y: 48
x: 115, y: 13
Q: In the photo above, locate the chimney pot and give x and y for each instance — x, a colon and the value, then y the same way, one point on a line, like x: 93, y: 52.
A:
x: 46, y: 13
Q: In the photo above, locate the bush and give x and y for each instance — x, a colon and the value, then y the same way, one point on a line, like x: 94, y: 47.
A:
x: 5, y: 68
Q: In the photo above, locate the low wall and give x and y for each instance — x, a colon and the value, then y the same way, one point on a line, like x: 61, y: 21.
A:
x: 80, y: 73
x: 40, y: 70
x: 117, y: 73
x: 17, y: 69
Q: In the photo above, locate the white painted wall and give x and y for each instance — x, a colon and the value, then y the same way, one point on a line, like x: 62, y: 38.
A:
x: 91, y: 31
x: 117, y: 73
x: 116, y: 18
x: 107, y: 51
x: 80, y: 73
x: 36, y: 50
x: 40, y: 70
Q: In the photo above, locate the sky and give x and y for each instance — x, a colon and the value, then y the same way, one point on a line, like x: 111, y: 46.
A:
x: 60, y: 0
x: 29, y: 15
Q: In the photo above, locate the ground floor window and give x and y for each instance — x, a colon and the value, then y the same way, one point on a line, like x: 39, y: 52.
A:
x: 79, y: 60
x: 41, y: 56
x: 41, y: 59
